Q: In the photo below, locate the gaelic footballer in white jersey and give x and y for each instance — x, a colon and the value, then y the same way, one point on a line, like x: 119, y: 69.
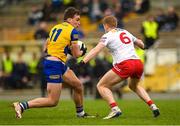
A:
x: 126, y: 64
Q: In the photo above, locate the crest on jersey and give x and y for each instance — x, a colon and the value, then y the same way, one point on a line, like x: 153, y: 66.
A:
x: 75, y: 36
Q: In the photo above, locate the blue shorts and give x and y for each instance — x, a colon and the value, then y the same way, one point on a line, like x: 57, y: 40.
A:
x: 54, y: 70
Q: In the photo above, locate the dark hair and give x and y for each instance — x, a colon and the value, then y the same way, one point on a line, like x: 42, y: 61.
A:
x: 110, y: 21
x: 70, y: 12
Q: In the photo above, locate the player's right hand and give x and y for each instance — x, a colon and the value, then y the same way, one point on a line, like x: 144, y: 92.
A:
x: 83, y: 49
x: 69, y: 51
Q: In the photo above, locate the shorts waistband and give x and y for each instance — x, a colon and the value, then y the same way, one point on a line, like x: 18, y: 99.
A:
x: 53, y: 58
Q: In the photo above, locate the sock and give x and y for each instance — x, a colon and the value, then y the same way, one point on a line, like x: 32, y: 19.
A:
x: 150, y: 102
x: 113, y: 104
x: 24, y: 105
x: 80, y: 111
x: 114, y: 107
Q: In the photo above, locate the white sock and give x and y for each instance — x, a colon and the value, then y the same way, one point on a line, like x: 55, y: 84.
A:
x: 81, y: 113
x: 153, y: 107
x: 115, y: 108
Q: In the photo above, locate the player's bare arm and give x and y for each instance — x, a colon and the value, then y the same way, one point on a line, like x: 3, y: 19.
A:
x: 139, y: 43
x: 94, y: 52
x: 76, y: 52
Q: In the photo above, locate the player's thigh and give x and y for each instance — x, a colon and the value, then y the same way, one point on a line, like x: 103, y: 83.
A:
x: 54, y: 90
x: 110, y: 79
x: 71, y: 79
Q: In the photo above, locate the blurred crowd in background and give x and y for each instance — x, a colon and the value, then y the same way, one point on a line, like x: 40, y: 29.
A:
x: 92, y: 11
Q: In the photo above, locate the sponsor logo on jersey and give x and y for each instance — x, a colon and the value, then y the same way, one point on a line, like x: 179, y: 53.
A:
x: 103, y: 39
x: 75, y: 36
x: 54, y: 76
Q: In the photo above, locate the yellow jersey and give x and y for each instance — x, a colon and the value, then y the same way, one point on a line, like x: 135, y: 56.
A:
x: 60, y: 38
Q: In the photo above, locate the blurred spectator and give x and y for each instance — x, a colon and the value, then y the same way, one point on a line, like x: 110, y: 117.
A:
x: 108, y: 12
x: 47, y: 11
x: 142, y: 6
x: 1, y: 79
x: 3, y: 3
x: 119, y: 15
x: 127, y: 6
x: 99, y: 70
x: 103, y: 5
x: 7, y: 69
x: 7, y: 64
x: 85, y: 8
x: 172, y: 19
x: 43, y: 83
x: 68, y: 3
x: 20, y: 73
x: 41, y: 32
x: 57, y: 5
x: 35, y: 15
x: 85, y: 73
x: 140, y: 53
x: 150, y: 31
x: 161, y: 19
x: 95, y: 10
x: 33, y: 70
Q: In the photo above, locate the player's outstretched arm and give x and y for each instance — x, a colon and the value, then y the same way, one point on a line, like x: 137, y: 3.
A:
x: 93, y: 52
x: 139, y: 43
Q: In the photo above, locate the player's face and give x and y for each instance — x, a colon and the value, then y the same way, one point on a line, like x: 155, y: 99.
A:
x: 75, y: 21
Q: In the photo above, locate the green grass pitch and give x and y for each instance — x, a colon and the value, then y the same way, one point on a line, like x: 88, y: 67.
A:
x: 135, y: 112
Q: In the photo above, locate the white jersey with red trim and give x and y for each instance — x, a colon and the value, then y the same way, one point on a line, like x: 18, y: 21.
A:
x: 121, y: 44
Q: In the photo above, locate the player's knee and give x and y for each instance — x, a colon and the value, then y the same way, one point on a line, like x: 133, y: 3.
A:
x: 102, y: 85
x: 99, y: 86
x: 53, y: 102
x: 79, y: 86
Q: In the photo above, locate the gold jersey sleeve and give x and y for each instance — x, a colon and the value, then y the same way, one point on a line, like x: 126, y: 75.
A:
x: 60, y: 38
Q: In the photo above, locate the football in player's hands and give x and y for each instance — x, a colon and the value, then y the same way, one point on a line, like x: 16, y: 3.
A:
x: 82, y: 47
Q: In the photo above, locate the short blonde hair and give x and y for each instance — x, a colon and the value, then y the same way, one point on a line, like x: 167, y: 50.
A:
x: 111, y: 21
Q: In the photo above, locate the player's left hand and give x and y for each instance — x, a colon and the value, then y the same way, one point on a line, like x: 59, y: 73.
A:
x: 81, y: 63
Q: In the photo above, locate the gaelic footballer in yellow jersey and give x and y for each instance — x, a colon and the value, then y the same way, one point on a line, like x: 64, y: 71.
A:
x: 55, y: 69
x: 60, y: 38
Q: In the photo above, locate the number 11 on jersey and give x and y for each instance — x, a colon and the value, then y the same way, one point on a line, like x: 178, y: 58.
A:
x: 55, y: 32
